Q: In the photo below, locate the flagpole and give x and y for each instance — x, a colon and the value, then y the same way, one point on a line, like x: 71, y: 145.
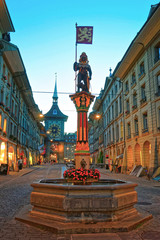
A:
x: 76, y: 56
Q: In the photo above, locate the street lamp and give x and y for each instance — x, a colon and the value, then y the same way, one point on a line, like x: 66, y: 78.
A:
x: 97, y: 116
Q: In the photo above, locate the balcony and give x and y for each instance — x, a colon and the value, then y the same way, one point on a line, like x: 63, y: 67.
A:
x: 143, y: 100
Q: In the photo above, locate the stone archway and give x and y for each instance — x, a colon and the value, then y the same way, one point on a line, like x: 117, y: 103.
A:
x: 147, y: 153
x: 129, y: 158
x: 138, y: 160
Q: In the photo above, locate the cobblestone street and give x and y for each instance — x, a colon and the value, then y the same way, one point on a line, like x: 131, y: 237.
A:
x: 15, y: 192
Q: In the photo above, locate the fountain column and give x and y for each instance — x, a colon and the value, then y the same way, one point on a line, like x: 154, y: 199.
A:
x: 82, y: 101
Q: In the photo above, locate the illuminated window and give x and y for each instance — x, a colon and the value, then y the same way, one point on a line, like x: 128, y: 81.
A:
x: 5, y: 125
x: 121, y: 130
x: 2, y: 155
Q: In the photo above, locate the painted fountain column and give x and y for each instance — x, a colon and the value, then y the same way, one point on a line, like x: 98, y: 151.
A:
x: 82, y: 101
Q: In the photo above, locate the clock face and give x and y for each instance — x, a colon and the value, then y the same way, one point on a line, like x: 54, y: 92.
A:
x: 54, y: 130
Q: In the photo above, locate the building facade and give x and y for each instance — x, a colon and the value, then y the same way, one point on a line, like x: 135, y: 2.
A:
x: 19, y: 115
x: 131, y: 102
x: 140, y: 77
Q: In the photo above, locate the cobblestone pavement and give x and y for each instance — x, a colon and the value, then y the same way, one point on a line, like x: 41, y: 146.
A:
x: 15, y: 192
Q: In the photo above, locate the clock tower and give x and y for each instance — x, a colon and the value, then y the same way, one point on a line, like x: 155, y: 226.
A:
x: 54, y: 126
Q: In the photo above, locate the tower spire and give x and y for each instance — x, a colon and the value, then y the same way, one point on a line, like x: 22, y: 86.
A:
x: 55, y: 95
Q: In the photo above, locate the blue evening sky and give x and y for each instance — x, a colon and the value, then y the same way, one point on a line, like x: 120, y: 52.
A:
x: 45, y: 34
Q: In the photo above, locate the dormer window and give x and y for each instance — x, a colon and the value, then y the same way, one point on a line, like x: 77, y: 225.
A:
x: 54, y: 112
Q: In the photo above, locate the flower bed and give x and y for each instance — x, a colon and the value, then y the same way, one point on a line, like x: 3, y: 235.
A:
x: 82, y: 175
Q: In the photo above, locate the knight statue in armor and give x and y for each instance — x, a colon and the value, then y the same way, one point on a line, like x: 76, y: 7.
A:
x: 84, y: 74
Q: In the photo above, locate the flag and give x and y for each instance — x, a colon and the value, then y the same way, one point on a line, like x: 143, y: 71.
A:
x: 84, y: 35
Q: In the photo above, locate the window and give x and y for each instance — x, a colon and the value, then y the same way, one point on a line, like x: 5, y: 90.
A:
x: 142, y: 70
x: 136, y: 126
x: 5, y: 125
x: 133, y: 78
x: 158, y: 82
x: 113, y: 133
x: 115, y: 90
x: 12, y: 106
x: 127, y: 87
x: 54, y: 111
x: 112, y: 94
x: 120, y: 104
x: 2, y: 95
x: 116, y: 108
x: 143, y: 94
x: 113, y: 111
x: 134, y: 100
x: 158, y: 118
x: 11, y: 128
x: 127, y: 105
x: 9, y: 80
x: 145, y: 123
x: 157, y: 53
x: 129, y: 130
x: 117, y: 132
x: 4, y: 70
x: 15, y: 110
x: 0, y: 120
x: 109, y: 136
x: 6, y: 101
x: 121, y: 129
x: 109, y: 115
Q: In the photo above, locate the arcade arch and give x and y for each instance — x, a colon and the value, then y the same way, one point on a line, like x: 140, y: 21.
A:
x: 147, y: 153
x: 129, y: 158
x: 138, y: 155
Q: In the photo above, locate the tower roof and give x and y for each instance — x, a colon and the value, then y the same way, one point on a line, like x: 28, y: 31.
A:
x: 55, y: 95
x: 55, y: 112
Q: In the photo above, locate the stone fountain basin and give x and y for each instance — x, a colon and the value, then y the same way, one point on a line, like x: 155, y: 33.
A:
x: 65, y: 208
x: 107, y: 200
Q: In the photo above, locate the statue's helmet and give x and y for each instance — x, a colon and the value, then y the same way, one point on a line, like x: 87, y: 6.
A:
x: 83, y: 58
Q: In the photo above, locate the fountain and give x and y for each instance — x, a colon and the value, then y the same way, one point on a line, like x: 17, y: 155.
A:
x: 103, y: 206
